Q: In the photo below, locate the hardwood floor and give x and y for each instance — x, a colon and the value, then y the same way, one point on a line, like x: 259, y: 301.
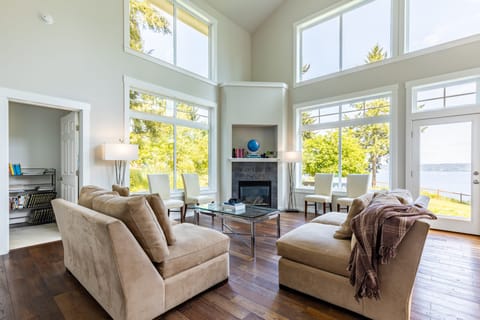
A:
x: 35, y: 285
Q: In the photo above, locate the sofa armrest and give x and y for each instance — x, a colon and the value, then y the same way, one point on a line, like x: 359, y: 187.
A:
x: 397, y: 278
x: 107, y: 260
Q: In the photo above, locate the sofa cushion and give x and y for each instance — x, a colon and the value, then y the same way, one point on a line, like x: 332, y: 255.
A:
x: 138, y: 216
x: 88, y: 193
x: 161, y: 213
x: 333, y: 218
x: 313, y: 244
x: 122, y: 191
x: 194, y: 246
x: 358, y: 204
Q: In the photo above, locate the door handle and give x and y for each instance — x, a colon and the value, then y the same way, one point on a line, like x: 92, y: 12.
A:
x: 475, y: 181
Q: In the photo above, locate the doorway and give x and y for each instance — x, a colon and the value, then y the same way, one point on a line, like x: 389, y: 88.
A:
x: 446, y: 167
x: 8, y: 96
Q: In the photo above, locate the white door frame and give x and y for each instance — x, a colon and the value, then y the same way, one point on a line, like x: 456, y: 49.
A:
x: 10, y: 95
x: 471, y: 226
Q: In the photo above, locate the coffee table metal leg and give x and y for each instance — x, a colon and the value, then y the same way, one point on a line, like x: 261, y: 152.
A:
x: 278, y: 226
x: 196, y: 216
x: 221, y: 221
x: 252, y: 232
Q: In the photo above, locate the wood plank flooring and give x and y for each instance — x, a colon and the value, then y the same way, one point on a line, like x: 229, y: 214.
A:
x: 35, y: 285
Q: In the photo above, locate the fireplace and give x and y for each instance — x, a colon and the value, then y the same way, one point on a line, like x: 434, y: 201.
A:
x: 254, y: 172
x: 258, y: 193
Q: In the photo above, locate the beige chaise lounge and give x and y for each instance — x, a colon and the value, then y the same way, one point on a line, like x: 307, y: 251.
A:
x: 314, y: 262
x: 108, y: 260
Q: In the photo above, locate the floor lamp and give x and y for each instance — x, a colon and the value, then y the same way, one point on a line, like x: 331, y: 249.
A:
x: 120, y: 153
x: 291, y: 158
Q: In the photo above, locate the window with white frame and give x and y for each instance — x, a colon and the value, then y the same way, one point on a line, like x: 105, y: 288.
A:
x: 360, y: 32
x: 173, y: 137
x: 433, y: 22
x: 355, y: 34
x: 346, y: 137
x: 447, y: 94
x: 170, y: 31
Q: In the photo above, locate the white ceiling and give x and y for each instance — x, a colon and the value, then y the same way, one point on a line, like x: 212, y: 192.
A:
x: 248, y: 14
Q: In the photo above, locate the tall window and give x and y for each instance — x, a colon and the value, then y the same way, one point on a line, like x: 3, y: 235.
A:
x: 432, y: 22
x: 172, y: 136
x: 350, y: 36
x: 171, y: 32
x: 343, y: 137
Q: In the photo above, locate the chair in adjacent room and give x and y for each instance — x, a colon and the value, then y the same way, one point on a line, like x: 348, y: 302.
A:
x: 322, y: 192
x: 357, y: 184
x: 191, y: 185
x: 160, y: 183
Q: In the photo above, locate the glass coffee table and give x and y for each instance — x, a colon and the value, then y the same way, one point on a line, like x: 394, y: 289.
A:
x: 251, y: 215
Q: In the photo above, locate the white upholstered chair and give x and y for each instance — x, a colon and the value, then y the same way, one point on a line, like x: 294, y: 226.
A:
x: 191, y: 185
x: 160, y: 183
x: 322, y: 192
x: 357, y: 184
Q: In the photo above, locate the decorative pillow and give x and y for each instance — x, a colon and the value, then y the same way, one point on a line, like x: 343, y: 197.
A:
x: 385, y: 198
x: 358, y: 204
x: 403, y: 195
x: 88, y: 193
x: 122, y: 191
x: 422, y: 202
x: 161, y: 213
x: 138, y: 216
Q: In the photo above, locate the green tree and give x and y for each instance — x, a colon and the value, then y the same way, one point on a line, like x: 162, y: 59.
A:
x: 163, y: 147
x: 374, y: 138
x: 320, y: 153
x: 144, y: 16
x: 375, y: 54
x: 364, y: 148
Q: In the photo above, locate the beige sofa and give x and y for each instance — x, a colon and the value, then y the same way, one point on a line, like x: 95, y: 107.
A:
x: 108, y: 260
x: 314, y: 262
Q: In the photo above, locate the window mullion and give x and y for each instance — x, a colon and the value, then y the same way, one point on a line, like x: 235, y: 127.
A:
x: 340, y: 157
x: 174, y: 169
x: 477, y: 100
x: 340, y: 30
x: 174, y: 3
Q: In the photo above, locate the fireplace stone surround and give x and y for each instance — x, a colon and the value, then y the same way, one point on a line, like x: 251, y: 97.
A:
x: 256, y: 171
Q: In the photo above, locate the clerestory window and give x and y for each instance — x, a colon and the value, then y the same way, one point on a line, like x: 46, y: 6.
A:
x: 433, y: 22
x: 355, y: 34
x: 172, y: 32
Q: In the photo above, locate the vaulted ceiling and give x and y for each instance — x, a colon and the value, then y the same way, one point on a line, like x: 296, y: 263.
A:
x: 248, y: 14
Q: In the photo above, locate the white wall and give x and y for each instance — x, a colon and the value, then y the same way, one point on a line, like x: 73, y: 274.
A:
x: 273, y: 49
x: 81, y: 57
x: 34, y: 136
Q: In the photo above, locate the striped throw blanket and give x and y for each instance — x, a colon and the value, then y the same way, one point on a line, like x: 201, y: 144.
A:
x: 379, y: 229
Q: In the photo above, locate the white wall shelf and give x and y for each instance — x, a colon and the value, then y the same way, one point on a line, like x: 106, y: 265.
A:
x: 253, y: 159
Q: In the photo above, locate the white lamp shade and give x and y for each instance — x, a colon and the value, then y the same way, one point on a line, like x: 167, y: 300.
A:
x: 120, y: 151
x: 292, y: 156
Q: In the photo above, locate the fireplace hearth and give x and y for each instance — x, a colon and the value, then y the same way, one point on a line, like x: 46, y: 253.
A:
x: 258, y: 193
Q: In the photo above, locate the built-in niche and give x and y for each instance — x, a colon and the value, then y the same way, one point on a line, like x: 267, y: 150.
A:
x: 266, y: 135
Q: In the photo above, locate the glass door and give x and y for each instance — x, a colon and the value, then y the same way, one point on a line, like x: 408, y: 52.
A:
x: 445, y: 167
